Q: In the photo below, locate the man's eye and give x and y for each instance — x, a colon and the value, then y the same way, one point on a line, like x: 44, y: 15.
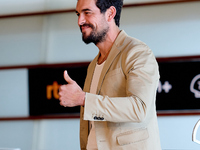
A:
x: 87, y: 12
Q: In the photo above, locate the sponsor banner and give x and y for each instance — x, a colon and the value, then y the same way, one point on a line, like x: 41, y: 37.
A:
x: 44, y: 84
x: 179, y: 86
x: 178, y: 89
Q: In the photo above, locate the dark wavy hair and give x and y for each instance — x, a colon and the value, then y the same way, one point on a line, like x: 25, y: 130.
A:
x: 103, y: 5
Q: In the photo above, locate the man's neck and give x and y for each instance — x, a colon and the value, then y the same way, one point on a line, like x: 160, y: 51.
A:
x: 105, y: 46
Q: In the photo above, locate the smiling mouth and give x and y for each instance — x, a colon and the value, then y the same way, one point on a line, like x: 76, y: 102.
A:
x: 85, y: 26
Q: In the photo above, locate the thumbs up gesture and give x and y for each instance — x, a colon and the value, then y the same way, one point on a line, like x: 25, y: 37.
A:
x: 71, y: 94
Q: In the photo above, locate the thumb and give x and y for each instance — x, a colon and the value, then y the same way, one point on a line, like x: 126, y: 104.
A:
x: 67, y: 78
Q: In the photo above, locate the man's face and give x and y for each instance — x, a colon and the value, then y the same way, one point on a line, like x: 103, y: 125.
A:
x: 91, y: 21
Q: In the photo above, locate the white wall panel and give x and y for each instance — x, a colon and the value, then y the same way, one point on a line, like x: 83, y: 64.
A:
x: 21, y: 40
x: 169, y: 30
x: 56, y: 134
x: 17, y: 134
x: 21, y: 6
x: 14, y: 93
x: 176, y: 132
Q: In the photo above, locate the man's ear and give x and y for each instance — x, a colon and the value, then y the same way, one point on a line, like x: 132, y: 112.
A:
x: 111, y: 12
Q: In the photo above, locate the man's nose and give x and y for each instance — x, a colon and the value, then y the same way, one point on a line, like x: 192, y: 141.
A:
x: 81, y: 20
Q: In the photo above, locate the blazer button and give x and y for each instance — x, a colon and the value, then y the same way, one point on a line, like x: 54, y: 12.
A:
x: 95, y: 118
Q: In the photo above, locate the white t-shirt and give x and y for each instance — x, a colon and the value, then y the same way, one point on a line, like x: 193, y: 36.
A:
x: 92, y: 143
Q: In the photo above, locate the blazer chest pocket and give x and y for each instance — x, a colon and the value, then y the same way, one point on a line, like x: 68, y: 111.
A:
x: 113, y: 72
x: 132, y: 136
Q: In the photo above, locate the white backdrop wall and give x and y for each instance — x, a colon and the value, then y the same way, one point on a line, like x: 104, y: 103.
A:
x: 170, y: 30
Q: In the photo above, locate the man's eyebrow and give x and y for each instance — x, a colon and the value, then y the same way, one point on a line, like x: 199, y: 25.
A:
x: 84, y: 10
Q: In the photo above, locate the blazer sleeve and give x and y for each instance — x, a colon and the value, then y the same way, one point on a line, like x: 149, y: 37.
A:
x: 128, y: 91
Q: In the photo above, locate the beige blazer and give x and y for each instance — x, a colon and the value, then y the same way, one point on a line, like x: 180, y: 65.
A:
x: 124, y: 105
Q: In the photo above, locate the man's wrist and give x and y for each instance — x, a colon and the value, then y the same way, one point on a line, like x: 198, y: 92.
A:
x: 83, y: 98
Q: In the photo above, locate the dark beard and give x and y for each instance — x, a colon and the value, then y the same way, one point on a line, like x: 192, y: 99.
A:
x: 95, y: 37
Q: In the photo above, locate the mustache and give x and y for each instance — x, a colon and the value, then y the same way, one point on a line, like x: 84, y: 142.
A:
x: 86, y: 25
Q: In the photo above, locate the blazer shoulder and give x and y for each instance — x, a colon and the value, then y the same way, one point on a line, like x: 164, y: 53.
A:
x: 125, y: 42
x: 134, y: 46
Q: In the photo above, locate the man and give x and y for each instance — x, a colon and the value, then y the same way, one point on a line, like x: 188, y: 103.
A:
x: 118, y: 101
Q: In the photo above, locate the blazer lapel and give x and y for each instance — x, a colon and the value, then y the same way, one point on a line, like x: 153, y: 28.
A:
x: 90, y: 73
x: 111, y: 57
x: 115, y: 50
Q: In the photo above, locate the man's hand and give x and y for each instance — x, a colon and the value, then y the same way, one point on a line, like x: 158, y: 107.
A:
x: 71, y: 94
